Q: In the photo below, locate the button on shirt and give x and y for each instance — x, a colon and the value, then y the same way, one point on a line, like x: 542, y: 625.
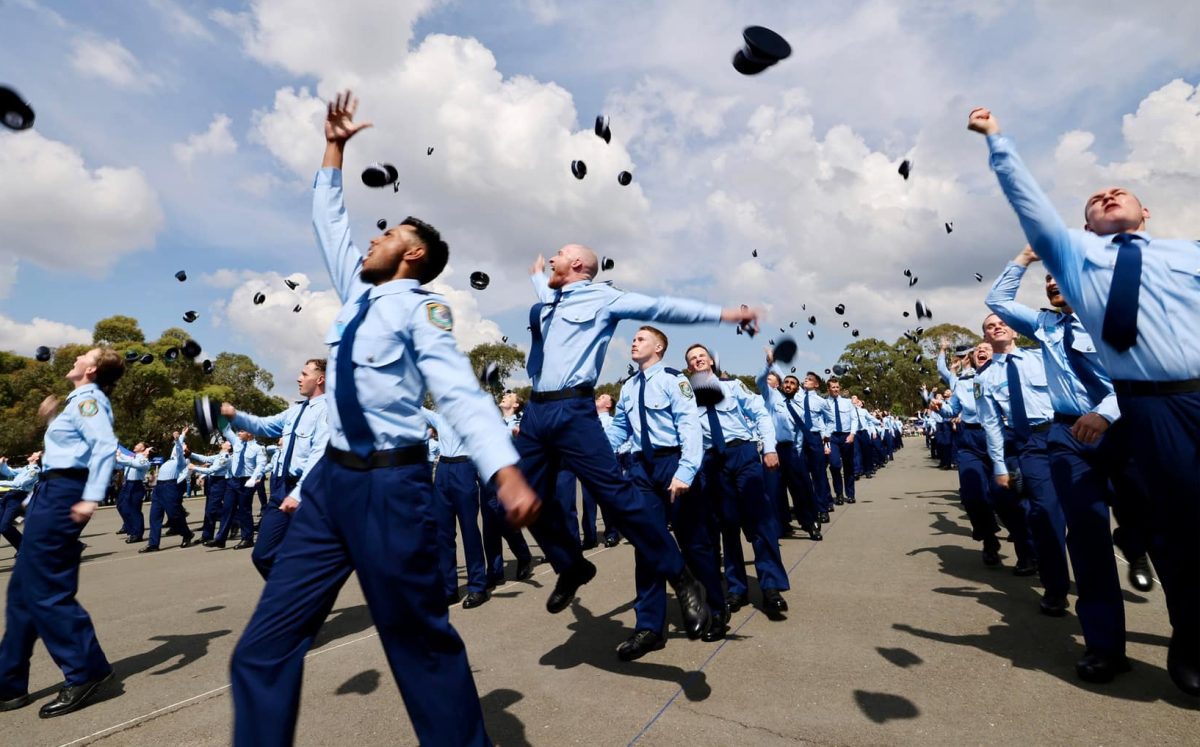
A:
x: 134, y: 467
x: 404, y: 346
x: 304, y: 425
x: 671, y: 417
x: 81, y: 437
x: 1068, y: 394
x: 992, y: 398
x: 577, y: 329
x: 739, y: 406
x: 1168, y: 339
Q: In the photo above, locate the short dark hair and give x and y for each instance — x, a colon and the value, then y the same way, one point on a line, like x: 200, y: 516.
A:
x: 834, y: 380
x: 317, y: 363
x: 662, y: 337
x: 437, y: 252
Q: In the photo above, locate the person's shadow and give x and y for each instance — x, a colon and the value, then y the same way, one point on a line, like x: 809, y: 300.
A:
x: 503, y: 727
x: 176, y: 651
x: 342, y: 623
x: 594, y: 640
x: 1031, y: 641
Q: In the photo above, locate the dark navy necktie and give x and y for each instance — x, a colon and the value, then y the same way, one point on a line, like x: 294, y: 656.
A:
x: 1120, y: 315
x: 1091, y: 382
x: 287, y: 455
x: 716, y: 433
x: 537, y: 355
x: 807, y: 412
x: 241, y: 462
x: 1016, y: 401
x: 345, y: 395
x: 647, y: 446
x: 795, y: 415
x: 837, y: 415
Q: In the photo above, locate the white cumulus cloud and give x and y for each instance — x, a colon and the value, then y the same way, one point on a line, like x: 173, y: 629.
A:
x: 107, y: 59
x: 24, y: 338
x: 215, y: 141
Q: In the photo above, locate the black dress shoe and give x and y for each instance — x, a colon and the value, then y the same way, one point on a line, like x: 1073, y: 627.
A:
x: 148, y: 548
x: 734, y: 602
x: 692, y: 604
x: 590, y: 545
x: 189, y: 542
x: 823, y: 517
x: 214, y: 543
x: 991, y: 551
x: 639, y: 644
x: 612, y: 541
x: 1097, y: 666
x: 12, y: 704
x: 830, y: 509
x: 243, y: 544
x: 774, y: 604
x: 851, y: 500
x: 1053, y: 606
x: 525, y: 570
x: 716, y: 631
x: 474, y: 599
x: 568, y: 583
x: 814, y: 533
x: 73, y: 697
x: 1140, y: 576
x: 1184, y: 669
x: 1026, y: 568
x: 838, y: 500
x: 133, y: 540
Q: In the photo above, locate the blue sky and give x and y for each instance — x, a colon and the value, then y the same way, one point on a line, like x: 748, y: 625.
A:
x: 181, y: 135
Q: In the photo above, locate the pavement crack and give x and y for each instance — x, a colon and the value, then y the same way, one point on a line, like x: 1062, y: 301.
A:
x: 757, y: 728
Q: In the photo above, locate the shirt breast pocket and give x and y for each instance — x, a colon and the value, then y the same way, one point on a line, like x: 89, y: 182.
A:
x: 1034, y: 376
x: 585, y: 313
x: 384, y: 357
x: 1185, y: 270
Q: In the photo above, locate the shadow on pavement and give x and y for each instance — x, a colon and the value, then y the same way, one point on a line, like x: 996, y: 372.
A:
x: 942, y: 524
x: 882, y: 707
x: 504, y: 728
x: 344, y: 622
x: 901, y: 657
x: 186, y: 648
x: 594, y: 640
x: 363, y: 683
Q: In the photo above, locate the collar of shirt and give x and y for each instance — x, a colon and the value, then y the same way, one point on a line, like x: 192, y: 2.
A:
x: 82, y: 390
x: 648, y: 372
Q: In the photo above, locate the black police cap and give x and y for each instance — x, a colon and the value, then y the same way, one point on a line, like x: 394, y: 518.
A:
x: 763, y: 48
x: 854, y: 333
x: 707, y: 388
x: 839, y: 370
x: 811, y: 334
x: 191, y: 349
x: 381, y: 224
x: 480, y: 280
x: 147, y: 359
x: 171, y: 354
x: 923, y: 311
x: 296, y: 309
x: 624, y: 178
x: 912, y: 281
x: 131, y: 356
x: 602, y: 130
x: 579, y: 169
x: 181, y: 276
x: 905, y: 169
x: 42, y: 353
x: 190, y: 316
x: 840, y: 308
x: 259, y: 298
x: 489, y: 375
x: 785, y: 351
x: 845, y: 325
x: 979, y: 276
x: 291, y: 284
x: 949, y: 227
x: 208, y: 417
x: 14, y: 112
x: 607, y: 263
x: 812, y: 320
x: 207, y: 366
x: 380, y: 175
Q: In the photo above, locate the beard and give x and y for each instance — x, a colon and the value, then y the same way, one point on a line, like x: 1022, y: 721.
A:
x: 376, y: 275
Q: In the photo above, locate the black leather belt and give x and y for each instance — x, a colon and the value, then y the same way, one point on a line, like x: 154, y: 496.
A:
x: 454, y: 460
x: 1142, y: 388
x: 841, y: 433
x: 1061, y: 417
x: 784, y: 444
x: 404, y: 456
x: 972, y: 426
x: 731, y: 444
x: 1040, y: 427
x: 73, y: 473
x: 662, y: 451
x: 587, y: 390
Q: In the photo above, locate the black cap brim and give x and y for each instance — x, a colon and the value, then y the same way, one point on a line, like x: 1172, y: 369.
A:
x: 14, y: 112
x: 208, y: 417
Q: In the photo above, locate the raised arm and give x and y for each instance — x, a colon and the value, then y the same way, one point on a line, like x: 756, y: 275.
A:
x: 1002, y: 298
x: 541, y: 283
x: 330, y: 221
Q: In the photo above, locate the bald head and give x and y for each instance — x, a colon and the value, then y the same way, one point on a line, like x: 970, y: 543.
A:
x: 573, y: 262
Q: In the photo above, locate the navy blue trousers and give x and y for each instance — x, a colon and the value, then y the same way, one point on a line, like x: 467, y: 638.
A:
x: 566, y: 492
x: 41, y: 595
x: 239, y: 502
x: 10, y: 506
x: 214, y: 505
x: 976, y: 486
x: 131, y: 498
x: 1047, y: 524
x: 272, y: 528
x: 793, y: 478
x: 733, y: 483
x: 381, y: 524
x: 567, y: 433
x: 690, y: 516
x: 496, y: 532
x: 1081, y: 483
x: 457, y: 487
x: 1167, y: 428
x: 167, y: 501
x: 841, y: 465
x: 814, y: 463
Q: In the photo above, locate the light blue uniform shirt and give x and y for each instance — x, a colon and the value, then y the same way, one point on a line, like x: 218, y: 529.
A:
x: 841, y: 407
x: 435, y: 449
x: 1168, y: 339
x: 81, y: 437
x: 786, y: 427
x: 134, y: 467
x: 576, y: 331
x: 822, y: 416
x: 173, y: 464
x: 450, y: 444
x: 404, y: 346
x: 218, y: 464
x: 962, y: 401
x: 23, y: 479
x: 247, y: 459
x: 992, y: 398
x: 605, y: 420
x: 739, y: 407
x: 671, y: 418
x: 947, y: 375
x: 866, y: 421
x: 1068, y: 395
x: 307, y: 431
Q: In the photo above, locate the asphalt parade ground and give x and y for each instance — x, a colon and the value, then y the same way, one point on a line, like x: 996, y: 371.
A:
x: 897, y: 634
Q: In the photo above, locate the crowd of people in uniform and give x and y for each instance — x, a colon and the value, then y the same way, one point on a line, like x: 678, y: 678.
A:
x: 683, y: 464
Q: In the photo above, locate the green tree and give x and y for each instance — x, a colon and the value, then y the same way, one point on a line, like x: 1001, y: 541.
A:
x: 508, y: 358
x: 117, y: 330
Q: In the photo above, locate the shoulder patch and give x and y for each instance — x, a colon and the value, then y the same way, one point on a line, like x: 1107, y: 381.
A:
x: 439, y: 316
x: 686, y: 388
x: 88, y: 408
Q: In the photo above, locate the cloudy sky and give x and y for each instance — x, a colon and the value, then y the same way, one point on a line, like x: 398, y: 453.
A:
x: 174, y: 134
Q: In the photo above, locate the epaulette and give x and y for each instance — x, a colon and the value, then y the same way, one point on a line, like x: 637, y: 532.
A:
x: 673, y: 371
x: 424, y: 292
x: 984, y: 367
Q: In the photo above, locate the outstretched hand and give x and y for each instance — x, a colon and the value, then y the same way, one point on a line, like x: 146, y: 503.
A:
x: 339, y: 120
x: 982, y: 121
